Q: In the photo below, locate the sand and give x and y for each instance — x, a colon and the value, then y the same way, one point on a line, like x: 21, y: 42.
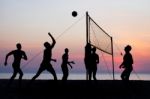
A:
x: 75, y: 89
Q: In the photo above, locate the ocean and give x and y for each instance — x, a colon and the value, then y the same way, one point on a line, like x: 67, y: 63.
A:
x: 78, y: 76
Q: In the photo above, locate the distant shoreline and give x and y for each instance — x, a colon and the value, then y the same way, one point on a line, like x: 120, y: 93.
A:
x: 77, y: 76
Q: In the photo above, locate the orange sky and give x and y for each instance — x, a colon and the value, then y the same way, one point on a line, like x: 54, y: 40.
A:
x: 29, y: 21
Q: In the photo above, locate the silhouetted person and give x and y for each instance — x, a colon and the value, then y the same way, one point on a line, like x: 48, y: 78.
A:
x: 65, y: 64
x: 87, y: 59
x: 93, y: 66
x: 46, y: 65
x: 18, y: 55
x: 127, y: 63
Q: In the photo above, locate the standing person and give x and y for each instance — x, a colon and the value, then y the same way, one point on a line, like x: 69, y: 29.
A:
x: 127, y: 63
x: 94, y: 61
x: 87, y: 59
x: 46, y: 65
x: 18, y: 55
x: 65, y: 64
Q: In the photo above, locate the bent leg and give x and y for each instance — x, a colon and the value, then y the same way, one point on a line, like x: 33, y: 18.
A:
x: 124, y: 75
x: 21, y: 74
x: 41, y: 69
x: 128, y: 74
x: 20, y: 77
x: 12, y: 77
x: 50, y: 69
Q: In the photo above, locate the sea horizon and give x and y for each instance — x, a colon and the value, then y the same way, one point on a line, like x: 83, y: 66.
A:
x: 77, y: 76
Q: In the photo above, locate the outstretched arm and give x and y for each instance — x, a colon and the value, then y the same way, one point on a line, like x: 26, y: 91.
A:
x: 71, y: 62
x: 10, y: 53
x: 53, y: 40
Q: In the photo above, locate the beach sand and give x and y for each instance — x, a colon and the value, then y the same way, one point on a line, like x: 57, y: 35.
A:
x: 75, y: 89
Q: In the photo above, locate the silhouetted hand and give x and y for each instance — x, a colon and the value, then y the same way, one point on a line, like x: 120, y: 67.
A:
x: 49, y: 34
x: 72, y: 62
x: 120, y: 66
x: 24, y: 58
x: 55, y: 60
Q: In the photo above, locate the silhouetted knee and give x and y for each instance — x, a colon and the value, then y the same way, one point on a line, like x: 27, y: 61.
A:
x: 54, y: 74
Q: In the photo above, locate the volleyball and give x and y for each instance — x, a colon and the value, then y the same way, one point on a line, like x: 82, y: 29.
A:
x: 74, y: 13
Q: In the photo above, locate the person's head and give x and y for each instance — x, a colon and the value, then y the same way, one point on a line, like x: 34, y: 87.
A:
x: 18, y: 45
x: 47, y: 45
x: 94, y: 49
x: 66, y: 50
x: 128, y: 48
x: 88, y: 45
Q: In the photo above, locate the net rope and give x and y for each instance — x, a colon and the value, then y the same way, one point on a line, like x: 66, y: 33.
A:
x: 61, y: 34
x: 99, y: 38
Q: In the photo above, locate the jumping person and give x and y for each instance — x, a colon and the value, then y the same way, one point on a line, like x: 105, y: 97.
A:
x: 46, y: 65
x: 18, y: 55
x: 65, y: 64
x: 93, y: 66
x: 127, y: 63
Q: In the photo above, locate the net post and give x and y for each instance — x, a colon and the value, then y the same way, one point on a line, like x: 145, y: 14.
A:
x: 87, y: 26
x: 112, y: 58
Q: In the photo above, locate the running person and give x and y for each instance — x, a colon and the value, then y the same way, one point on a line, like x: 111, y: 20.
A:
x: 18, y: 55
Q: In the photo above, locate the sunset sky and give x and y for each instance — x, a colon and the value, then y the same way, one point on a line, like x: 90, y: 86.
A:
x: 29, y: 21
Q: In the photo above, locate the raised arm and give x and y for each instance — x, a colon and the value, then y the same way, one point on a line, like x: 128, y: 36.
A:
x: 6, y: 58
x: 53, y: 40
